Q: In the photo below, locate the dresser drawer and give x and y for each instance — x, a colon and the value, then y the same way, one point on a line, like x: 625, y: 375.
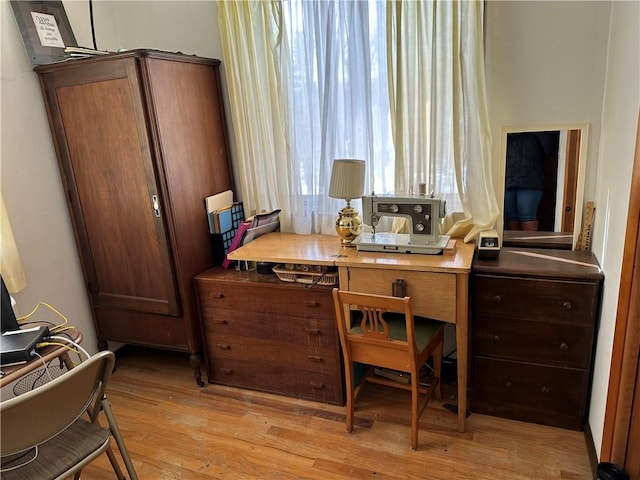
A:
x: 551, y: 343
x: 319, y: 332
x: 281, y: 300
x: 536, y: 299
x: 259, y: 350
x: 533, y: 393
x: 433, y: 295
x: 277, y: 377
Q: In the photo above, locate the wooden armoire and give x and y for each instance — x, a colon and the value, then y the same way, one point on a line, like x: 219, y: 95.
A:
x: 140, y: 140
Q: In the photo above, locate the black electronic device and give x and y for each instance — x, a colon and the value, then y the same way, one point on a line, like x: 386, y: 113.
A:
x: 488, y: 244
x: 8, y: 320
x: 20, y: 345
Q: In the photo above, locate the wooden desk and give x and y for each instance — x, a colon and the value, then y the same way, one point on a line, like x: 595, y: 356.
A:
x: 15, y: 372
x: 438, y: 284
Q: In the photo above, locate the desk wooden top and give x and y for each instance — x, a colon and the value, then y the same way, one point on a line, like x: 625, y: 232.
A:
x: 318, y: 249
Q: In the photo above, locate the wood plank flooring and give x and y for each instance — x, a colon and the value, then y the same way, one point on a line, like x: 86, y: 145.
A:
x: 175, y: 430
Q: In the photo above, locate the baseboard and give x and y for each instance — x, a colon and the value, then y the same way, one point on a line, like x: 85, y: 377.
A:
x: 591, y: 449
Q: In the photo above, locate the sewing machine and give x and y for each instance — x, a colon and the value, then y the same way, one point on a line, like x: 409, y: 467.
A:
x: 424, y: 214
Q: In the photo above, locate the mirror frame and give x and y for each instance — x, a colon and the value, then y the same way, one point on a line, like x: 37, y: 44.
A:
x: 582, y: 165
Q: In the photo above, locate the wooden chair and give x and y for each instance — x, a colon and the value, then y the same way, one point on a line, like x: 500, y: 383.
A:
x: 52, y: 432
x: 373, y: 331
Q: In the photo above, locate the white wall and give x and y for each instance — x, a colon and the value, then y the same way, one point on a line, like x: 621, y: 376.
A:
x: 29, y: 175
x: 617, y: 145
x: 547, y: 64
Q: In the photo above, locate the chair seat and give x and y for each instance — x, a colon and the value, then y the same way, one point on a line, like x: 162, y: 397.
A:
x: 55, y: 455
x: 425, y: 328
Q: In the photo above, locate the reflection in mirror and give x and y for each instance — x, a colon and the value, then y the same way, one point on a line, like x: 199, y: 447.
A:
x: 543, y: 173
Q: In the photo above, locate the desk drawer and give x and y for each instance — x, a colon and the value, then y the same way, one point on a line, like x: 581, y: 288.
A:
x: 278, y: 354
x: 433, y: 295
x: 274, y: 299
x: 532, y: 393
x: 317, y: 332
x: 536, y: 299
x: 277, y: 378
x: 536, y: 342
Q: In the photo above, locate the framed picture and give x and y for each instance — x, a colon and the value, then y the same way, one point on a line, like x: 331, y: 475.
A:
x: 45, y: 29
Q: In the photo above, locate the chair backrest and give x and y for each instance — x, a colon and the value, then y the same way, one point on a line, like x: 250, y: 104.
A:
x: 375, y: 333
x: 34, y: 417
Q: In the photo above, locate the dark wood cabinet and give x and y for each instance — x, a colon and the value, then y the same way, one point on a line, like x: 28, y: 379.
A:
x: 533, y: 334
x: 265, y: 334
x: 140, y: 140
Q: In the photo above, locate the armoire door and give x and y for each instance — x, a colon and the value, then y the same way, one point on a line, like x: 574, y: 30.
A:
x: 103, y: 141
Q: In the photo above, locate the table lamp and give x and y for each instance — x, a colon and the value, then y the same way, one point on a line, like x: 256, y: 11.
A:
x: 347, y: 182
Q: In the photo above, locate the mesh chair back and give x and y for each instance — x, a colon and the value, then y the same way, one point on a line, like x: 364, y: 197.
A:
x: 39, y: 415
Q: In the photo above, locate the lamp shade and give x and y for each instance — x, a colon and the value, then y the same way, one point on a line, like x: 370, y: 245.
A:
x: 347, y: 179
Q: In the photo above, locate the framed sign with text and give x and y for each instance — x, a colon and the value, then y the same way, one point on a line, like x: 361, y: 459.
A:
x: 45, y: 29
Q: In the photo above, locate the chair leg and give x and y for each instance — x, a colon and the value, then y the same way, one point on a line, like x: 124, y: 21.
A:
x: 114, y: 463
x: 115, y: 431
x: 350, y: 392
x: 415, y: 413
x: 437, y: 366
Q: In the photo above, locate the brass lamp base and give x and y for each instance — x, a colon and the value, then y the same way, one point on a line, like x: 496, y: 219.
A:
x: 348, y: 225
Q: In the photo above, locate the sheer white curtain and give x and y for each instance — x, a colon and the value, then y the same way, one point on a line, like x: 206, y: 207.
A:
x: 333, y: 70
x: 10, y: 263
x: 438, y: 108
x: 393, y: 83
x: 250, y: 32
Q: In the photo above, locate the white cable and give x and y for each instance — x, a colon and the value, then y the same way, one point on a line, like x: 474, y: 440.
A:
x: 68, y: 340
x: 45, y: 364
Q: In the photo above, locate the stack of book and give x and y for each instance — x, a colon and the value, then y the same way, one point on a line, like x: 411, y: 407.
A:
x: 82, y: 52
x: 224, y: 217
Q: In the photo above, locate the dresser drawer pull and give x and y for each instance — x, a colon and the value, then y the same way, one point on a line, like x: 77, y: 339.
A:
x: 226, y: 371
x: 317, y: 385
x: 546, y: 389
x: 311, y: 303
x: 507, y: 383
x: 564, y: 346
x: 315, y: 358
x: 312, y: 331
x: 217, y: 295
x: 566, y: 305
x: 497, y: 338
x: 220, y: 321
x: 496, y: 298
x: 223, y: 346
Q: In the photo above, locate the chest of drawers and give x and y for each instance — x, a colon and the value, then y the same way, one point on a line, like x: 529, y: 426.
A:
x: 264, y: 334
x: 533, y: 332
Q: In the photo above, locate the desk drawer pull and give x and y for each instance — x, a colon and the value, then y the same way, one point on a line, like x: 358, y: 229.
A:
x: 312, y: 331
x: 223, y: 346
x: 311, y: 303
x: 496, y: 338
x: 545, y: 389
x: 220, y: 321
x: 317, y: 385
x: 315, y: 358
x: 226, y: 371
x: 496, y: 298
x: 564, y: 346
x: 567, y: 305
x: 216, y: 295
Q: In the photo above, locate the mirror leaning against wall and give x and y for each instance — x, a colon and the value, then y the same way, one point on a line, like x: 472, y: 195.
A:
x: 541, y: 185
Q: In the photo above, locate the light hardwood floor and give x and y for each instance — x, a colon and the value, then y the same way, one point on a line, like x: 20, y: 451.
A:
x: 175, y: 430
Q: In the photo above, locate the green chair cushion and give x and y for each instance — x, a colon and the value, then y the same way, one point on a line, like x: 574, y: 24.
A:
x: 425, y: 328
